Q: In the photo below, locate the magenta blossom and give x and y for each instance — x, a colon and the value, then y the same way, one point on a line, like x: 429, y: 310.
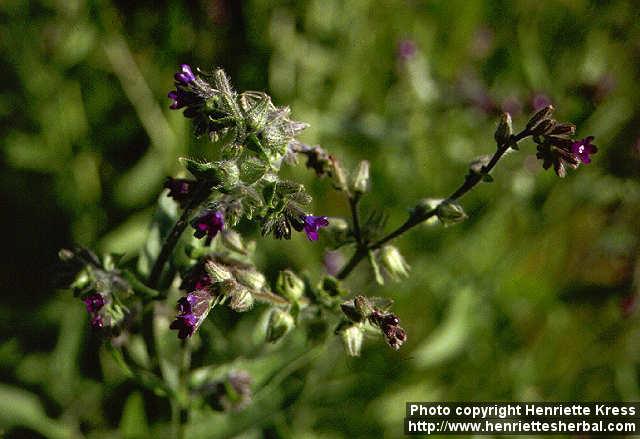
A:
x: 209, y: 223
x: 185, y: 75
x: 93, y: 302
x: 312, y: 224
x: 192, y: 310
x: 583, y: 149
x: 180, y: 189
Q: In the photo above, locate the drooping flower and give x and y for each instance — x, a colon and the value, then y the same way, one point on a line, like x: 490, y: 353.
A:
x: 312, y: 224
x: 583, y: 149
x: 93, y: 302
x: 389, y: 323
x: 180, y: 99
x: 209, y: 223
x: 185, y: 75
x: 180, y: 189
x: 192, y: 311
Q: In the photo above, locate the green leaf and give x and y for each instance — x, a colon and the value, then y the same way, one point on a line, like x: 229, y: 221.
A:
x: 252, y: 169
x: 452, y: 335
x: 163, y: 220
x: 19, y: 408
x: 133, y: 423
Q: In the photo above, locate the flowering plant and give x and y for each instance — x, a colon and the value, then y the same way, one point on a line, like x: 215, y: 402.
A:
x: 213, y: 266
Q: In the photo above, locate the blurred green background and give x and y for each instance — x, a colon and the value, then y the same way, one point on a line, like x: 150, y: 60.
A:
x: 531, y: 299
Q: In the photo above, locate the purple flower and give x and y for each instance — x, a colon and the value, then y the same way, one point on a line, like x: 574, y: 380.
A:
x: 186, y: 325
x: 208, y: 223
x: 180, y: 99
x: 389, y: 324
x: 93, y: 302
x: 540, y: 101
x: 185, y: 75
x: 180, y: 189
x: 196, y: 279
x: 583, y: 148
x: 312, y: 224
x: 96, y: 321
x: 192, y: 310
x: 407, y: 49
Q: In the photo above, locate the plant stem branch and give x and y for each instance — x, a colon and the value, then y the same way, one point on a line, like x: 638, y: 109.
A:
x: 199, y: 195
x: 355, y: 215
x: 469, y: 183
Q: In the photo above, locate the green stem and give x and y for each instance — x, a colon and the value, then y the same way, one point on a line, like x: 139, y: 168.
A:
x: 469, y: 183
x: 200, y: 194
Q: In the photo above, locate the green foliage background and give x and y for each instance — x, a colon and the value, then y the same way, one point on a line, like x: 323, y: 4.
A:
x: 521, y: 302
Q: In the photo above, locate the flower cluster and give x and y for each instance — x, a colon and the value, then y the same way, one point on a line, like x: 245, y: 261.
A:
x: 94, y: 303
x: 389, y: 324
x: 556, y: 147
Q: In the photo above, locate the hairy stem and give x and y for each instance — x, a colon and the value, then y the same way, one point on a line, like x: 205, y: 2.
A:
x: 469, y: 183
x: 355, y: 215
x: 199, y: 195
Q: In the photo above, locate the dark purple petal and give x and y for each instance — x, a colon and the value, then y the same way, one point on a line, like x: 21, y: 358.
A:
x: 312, y: 224
x: 93, y: 302
x: 185, y: 75
x: 185, y: 325
x: 209, y: 223
x: 176, y: 98
x: 180, y: 189
x: 583, y: 149
x: 96, y: 321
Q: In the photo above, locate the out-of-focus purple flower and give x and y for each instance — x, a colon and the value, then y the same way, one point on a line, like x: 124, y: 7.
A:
x: 93, y: 302
x: 628, y: 305
x: 482, y: 43
x: 333, y: 261
x: 583, y: 149
x: 180, y: 189
x: 192, y: 310
x: 512, y: 106
x: 209, y: 223
x: 312, y: 224
x: 185, y: 75
x: 540, y: 101
x: 407, y: 49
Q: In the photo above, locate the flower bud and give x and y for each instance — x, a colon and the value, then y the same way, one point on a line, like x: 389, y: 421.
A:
x: 352, y: 339
x: 251, y: 278
x: 349, y: 309
x: 289, y: 285
x: 280, y: 322
x: 425, y: 206
x: 241, y: 299
x: 450, y: 212
x: 393, y: 261
x: 544, y: 127
x: 362, y: 305
x: 339, y: 177
x: 232, y: 240
x: 217, y: 272
x: 504, y: 130
x: 360, y: 182
x: 228, y: 174
x: 542, y: 114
